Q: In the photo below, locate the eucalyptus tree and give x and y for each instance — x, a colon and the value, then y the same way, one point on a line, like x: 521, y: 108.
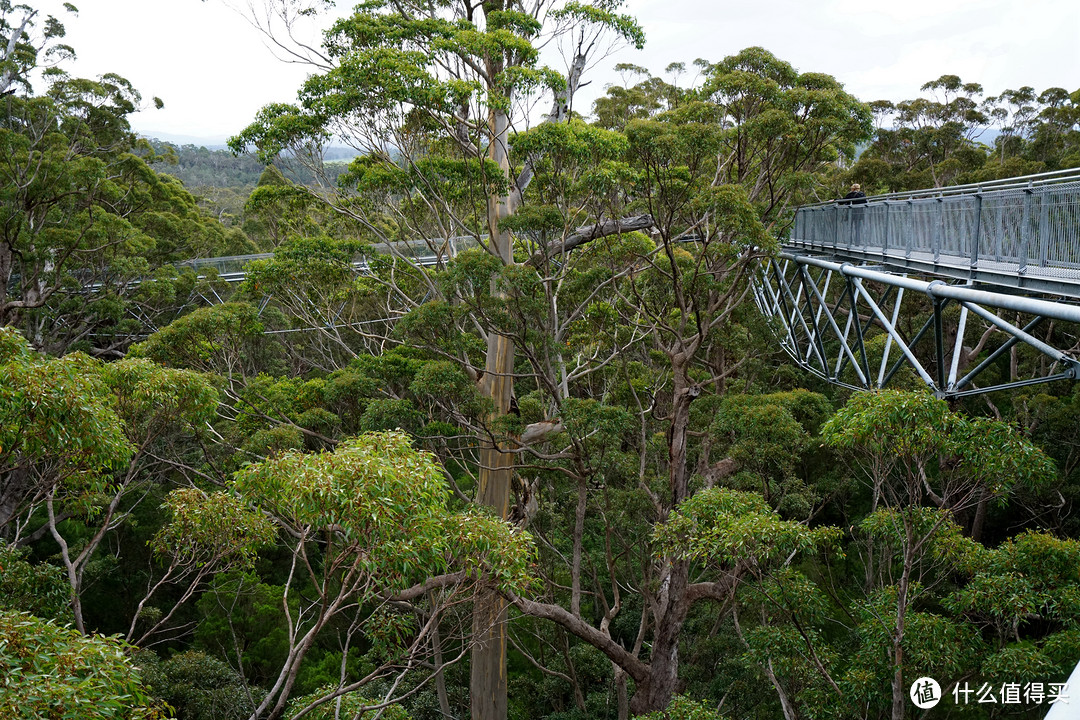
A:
x: 901, y: 589
x: 1056, y: 139
x: 160, y: 411
x: 83, y: 442
x: 27, y: 44
x: 1014, y: 112
x: 620, y: 338
x: 430, y: 93
x: 53, y: 671
x: 932, y: 139
x: 368, y: 529
x: 1037, y: 131
x: 722, y: 174
x: 59, y: 435
x: 926, y: 465
x: 88, y: 231
x: 54, y: 169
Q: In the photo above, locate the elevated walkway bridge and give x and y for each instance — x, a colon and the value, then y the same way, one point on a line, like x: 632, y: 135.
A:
x: 961, y: 262
x: 233, y: 268
x: 1005, y: 252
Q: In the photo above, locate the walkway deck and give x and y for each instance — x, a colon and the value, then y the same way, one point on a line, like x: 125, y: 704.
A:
x: 1021, y: 233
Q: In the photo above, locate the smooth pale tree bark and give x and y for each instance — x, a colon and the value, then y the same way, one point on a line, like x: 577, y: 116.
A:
x: 492, y: 46
x: 488, y: 668
x: 488, y: 680
x: 8, y: 49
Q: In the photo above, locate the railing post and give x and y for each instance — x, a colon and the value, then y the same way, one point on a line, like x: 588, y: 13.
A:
x: 1025, y: 229
x: 850, y: 227
x: 978, y: 230
x: 939, y: 229
x: 836, y: 225
x: 885, y: 236
x: 911, y: 220
x: 1044, y: 228
x: 999, y: 236
x: 820, y: 225
x: 825, y: 223
x: 844, y: 220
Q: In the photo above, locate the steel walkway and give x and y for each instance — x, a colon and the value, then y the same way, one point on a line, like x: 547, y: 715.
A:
x: 840, y: 292
x: 233, y: 268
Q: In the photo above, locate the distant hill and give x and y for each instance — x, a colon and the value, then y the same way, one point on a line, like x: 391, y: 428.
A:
x: 220, y: 142
x: 210, y: 142
x: 200, y: 166
x: 988, y: 136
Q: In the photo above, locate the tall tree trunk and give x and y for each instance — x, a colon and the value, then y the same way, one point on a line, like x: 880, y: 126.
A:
x: 15, y: 487
x: 683, y: 393
x: 899, y: 697
x: 488, y: 667
x: 980, y: 515
x: 7, y: 52
x: 440, y: 676
x: 579, y: 536
x: 621, y: 694
x: 656, y: 693
x: 7, y: 258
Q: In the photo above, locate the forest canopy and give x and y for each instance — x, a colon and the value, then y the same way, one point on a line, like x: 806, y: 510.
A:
x: 490, y: 426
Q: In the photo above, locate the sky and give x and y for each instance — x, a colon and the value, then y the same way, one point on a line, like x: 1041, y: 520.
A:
x: 214, y: 71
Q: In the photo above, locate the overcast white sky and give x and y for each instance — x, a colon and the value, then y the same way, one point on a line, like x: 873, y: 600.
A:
x: 213, y: 71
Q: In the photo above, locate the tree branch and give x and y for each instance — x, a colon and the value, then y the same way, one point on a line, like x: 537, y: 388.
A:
x: 615, y: 652
x: 588, y: 233
x: 428, y: 585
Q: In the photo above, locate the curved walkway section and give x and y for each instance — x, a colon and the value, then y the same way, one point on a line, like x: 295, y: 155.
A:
x: 840, y: 295
x: 1020, y: 233
x: 425, y: 252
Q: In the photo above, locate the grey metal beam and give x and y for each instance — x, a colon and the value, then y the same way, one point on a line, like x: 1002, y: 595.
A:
x: 1022, y: 336
x: 938, y: 289
x: 1002, y: 349
x: 892, y: 331
x: 787, y: 304
x: 955, y: 267
x: 836, y: 329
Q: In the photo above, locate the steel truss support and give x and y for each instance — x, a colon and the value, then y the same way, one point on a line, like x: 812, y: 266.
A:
x: 842, y: 322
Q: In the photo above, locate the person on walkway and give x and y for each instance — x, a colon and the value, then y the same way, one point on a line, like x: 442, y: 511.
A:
x: 854, y: 216
x: 855, y: 197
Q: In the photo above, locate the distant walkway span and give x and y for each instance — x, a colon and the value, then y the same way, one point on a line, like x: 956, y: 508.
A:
x: 233, y: 268
x: 996, y: 256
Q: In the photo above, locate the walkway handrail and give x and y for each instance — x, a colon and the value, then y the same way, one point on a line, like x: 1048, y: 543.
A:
x: 233, y: 265
x: 1022, y: 233
x: 1052, y: 177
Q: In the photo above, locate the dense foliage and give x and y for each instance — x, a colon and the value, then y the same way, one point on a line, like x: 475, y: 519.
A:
x: 555, y: 470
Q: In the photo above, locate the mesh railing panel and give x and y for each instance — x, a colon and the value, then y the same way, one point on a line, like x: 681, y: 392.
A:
x: 1025, y: 230
x: 423, y: 251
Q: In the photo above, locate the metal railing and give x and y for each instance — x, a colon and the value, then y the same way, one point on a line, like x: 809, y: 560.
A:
x: 1022, y: 232
x: 422, y: 252
x: 225, y: 265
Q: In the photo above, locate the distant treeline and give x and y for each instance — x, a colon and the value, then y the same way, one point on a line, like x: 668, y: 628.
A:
x: 201, y: 167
